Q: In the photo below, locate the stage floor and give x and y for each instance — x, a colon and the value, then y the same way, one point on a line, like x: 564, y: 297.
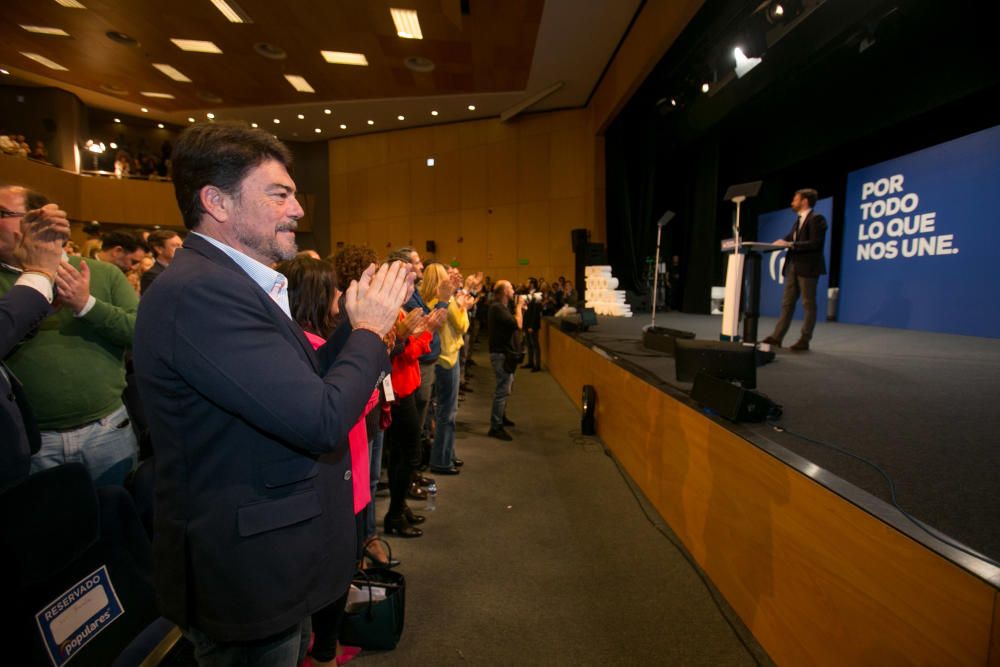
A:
x: 920, y: 405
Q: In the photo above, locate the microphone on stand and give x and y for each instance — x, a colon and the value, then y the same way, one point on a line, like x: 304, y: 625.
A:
x: 664, y: 219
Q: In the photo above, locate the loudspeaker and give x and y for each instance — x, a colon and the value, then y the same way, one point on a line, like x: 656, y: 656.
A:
x: 663, y: 339
x: 732, y: 402
x: 587, y: 426
x: 431, y: 246
x: 579, y: 238
x: 732, y: 361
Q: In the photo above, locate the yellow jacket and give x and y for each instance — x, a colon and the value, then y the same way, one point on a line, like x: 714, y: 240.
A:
x: 451, y: 332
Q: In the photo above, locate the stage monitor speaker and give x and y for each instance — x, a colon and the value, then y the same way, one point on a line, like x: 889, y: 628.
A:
x: 431, y: 246
x: 730, y: 361
x: 567, y: 325
x: 732, y: 402
x: 579, y: 238
x: 662, y: 339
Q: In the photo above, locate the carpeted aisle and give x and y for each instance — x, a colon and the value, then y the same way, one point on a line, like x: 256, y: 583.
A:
x: 538, y: 553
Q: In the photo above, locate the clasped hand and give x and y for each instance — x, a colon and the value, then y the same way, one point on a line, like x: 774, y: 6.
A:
x: 373, y: 302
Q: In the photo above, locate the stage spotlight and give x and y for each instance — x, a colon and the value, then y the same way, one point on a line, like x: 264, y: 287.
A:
x: 705, y: 87
x: 780, y: 11
x: 743, y: 63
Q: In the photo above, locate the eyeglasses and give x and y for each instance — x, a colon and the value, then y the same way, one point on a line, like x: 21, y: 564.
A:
x: 10, y: 214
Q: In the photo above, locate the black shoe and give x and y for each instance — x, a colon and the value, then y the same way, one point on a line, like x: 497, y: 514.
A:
x: 458, y: 463
x: 471, y: 362
x: 507, y: 422
x: 466, y: 388
x: 771, y: 340
x: 800, y: 346
x: 445, y: 471
x: 421, y: 480
x: 412, y: 518
x: 526, y: 366
x: 416, y: 492
x: 499, y: 434
x: 398, y: 525
x: 536, y: 370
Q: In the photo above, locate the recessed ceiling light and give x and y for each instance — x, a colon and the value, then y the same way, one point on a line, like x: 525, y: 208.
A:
x: 72, y: 4
x: 121, y: 38
x: 253, y: 125
x: 144, y: 109
x: 407, y: 23
x: 45, y: 30
x: 190, y: 119
x: 434, y: 113
x: 196, y: 45
x: 344, y: 58
x: 343, y: 127
x: 172, y: 72
x: 42, y: 60
x: 277, y: 121
x: 430, y: 162
x: 419, y: 64
x: 299, y: 83
x: 472, y: 107
x: 159, y: 125
x: 705, y: 87
x: 113, y: 145
x: 210, y: 115
x: 270, y: 51
x: 400, y: 117
x: 3, y: 71
x: 317, y: 130
x: 371, y: 122
x: 233, y: 12
x: 117, y: 120
x: 302, y: 116
x: 327, y: 112
x: 165, y: 96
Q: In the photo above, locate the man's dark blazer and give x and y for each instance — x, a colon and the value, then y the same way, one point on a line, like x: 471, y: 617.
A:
x: 21, y: 310
x: 807, y: 252
x: 254, y: 520
x: 149, y: 276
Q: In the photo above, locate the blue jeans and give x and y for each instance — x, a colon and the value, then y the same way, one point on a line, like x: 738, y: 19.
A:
x: 286, y: 649
x: 375, y: 470
x: 107, y: 447
x: 504, y: 382
x: 446, y: 391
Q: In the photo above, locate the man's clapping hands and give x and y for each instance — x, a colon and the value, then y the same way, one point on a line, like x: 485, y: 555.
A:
x: 373, y: 302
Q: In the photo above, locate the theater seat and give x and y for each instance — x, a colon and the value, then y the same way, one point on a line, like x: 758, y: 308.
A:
x: 77, y: 565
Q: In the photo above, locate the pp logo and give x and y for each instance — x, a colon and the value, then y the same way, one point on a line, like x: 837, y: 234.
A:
x: 777, y: 266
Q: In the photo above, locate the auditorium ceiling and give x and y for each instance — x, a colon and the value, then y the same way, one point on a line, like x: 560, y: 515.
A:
x: 473, y: 58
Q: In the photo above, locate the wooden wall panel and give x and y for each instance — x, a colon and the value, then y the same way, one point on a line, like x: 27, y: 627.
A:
x: 502, y: 173
x: 816, y: 579
x: 533, y: 157
x: 492, y: 186
x: 473, y: 251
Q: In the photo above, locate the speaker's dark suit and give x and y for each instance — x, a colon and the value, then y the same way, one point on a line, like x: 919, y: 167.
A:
x: 804, y: 264
x: 21, y: 310
x: 254, y: 509
x: 806, y: 253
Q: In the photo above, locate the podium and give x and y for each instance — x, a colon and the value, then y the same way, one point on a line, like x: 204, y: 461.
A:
x: 753, y: 252
x: 734, y: 269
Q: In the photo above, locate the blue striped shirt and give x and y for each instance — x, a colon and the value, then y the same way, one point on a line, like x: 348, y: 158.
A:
x: 273, y: 283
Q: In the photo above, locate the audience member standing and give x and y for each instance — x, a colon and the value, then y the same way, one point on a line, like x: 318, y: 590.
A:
x: 73, y: 369
x: 532, y: 325
x: 503, y: 326
x: 164, y: 243
x: 37, y: 237
x: 255, y: 526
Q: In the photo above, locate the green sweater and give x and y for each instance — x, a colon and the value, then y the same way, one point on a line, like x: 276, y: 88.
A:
x: 73, y: 369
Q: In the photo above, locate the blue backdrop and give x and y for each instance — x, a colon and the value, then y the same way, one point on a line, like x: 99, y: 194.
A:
x: 775, y: 225
x: 922, y: 240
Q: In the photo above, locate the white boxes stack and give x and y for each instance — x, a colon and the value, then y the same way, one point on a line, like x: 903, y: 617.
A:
x: 602, y: 295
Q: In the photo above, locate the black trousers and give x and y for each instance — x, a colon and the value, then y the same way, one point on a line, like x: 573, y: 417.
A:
x: 796, y: 286
x: 402, y: 440
x: 534, y: 351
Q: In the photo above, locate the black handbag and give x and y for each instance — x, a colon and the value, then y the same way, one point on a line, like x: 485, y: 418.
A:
x: 376, y: 625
